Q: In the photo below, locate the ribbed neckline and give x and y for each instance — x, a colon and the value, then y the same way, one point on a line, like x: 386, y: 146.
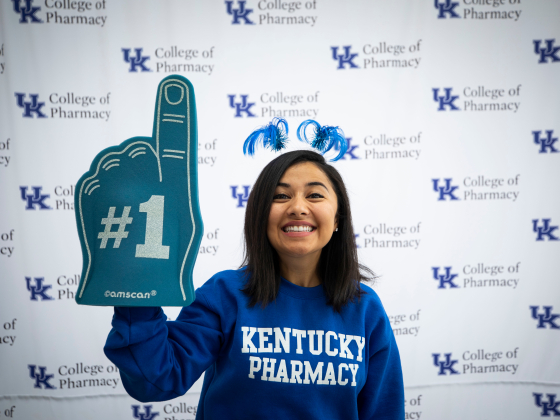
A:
x: 299, y: 292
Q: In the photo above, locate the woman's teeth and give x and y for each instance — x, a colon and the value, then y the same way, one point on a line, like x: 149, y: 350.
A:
x: 298, y: 229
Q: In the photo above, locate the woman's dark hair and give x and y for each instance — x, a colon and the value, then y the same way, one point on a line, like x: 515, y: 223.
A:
x: 338, y: 266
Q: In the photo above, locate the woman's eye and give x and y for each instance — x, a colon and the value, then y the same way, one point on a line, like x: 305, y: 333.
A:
x: 280, y: 197
x: 316, y: 195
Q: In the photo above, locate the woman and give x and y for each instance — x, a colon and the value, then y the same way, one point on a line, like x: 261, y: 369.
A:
x: 291, y: 335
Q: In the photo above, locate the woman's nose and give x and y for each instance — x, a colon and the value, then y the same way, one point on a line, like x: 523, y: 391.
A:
x: 298, y: 206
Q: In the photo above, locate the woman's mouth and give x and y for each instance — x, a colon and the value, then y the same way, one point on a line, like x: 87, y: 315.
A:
x: 299, y: 228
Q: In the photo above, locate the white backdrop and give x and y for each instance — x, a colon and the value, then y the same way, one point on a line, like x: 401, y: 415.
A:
x: 451, y: 108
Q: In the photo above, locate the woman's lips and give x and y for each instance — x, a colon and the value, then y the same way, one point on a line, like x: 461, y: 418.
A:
x: 298, y: 234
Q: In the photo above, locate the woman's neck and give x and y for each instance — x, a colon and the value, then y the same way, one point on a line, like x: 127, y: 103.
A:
x: 301, y: 271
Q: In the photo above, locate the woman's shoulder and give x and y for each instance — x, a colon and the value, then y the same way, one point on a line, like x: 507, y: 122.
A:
x: 371, y: 306
x: 225, y: 284
x: 227, y: 279
x: 375, y: 319
x: 369, y: 296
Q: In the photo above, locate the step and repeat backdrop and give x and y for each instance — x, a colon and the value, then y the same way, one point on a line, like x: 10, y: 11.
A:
x: 451, y: 110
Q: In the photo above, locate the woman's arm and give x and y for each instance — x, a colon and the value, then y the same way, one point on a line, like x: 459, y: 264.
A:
x: 158, y: 359
x: 382, y: 397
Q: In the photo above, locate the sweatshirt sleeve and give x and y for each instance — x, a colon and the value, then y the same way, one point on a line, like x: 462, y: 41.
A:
x: 158, y: 359
x: 382, y: 397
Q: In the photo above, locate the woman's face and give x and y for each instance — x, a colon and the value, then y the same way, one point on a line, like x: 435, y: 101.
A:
x: 302, y: 218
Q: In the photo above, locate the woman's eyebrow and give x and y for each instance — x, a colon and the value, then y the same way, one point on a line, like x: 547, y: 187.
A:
x: 309, y: 184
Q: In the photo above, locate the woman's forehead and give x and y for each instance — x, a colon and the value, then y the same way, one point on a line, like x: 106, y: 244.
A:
x: 303, y: 173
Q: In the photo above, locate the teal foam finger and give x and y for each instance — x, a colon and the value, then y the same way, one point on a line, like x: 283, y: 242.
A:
x: 138, y: 212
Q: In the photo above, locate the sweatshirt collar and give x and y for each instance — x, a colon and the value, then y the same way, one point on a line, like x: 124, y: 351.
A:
x: 300, y: 292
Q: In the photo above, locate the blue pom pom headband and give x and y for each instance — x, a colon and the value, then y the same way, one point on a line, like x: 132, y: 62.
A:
x: 275, y: 135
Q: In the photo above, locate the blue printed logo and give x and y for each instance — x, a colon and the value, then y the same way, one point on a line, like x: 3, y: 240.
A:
x: 550, y: 407
x: 240, y: 13
x: 349, y: 151
x: 445, y: 100
x: 137, y: 61
x: 243, y: 106
x: 546, y: 52
x: 544, y: 230
x: 26, y: 11
x: 346, y: 58
x: 41, y: 378
x: 241, y: 198
x: 445, y: 365
x: 146, y: 415
x: 547, y: 318
x: 444, y: 279
x: 447, y: 9
x: 39, y: 289
x: 356, y: 236
x: 30, y: 107
x: 446, y: 191
x: 547, y: 142
x: 34, y: 199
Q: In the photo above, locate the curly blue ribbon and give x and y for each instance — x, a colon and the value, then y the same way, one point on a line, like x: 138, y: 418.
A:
x: 273, y: 136
x: 324, y: 138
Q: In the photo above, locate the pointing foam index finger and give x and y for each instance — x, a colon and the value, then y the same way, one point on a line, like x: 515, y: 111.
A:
x: 175, y: 125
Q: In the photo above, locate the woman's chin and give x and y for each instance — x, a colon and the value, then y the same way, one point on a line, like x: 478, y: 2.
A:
x: 299, y: 252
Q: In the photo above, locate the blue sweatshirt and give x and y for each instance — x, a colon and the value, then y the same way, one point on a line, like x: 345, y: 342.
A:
x: 295, y: 359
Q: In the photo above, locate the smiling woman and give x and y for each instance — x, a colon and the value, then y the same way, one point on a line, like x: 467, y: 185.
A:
x: 292, y: 334
x: 294, y: 190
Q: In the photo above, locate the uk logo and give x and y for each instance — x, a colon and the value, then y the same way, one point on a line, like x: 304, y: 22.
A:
x: 445, y: 279
x: 547, y: 142
x: 240, y: 13
x: 146, y: 415
x: 346, y: 58
x: 546, y: 318
x: 34, y: 199
x: 547, y: 51
x: 39, y: 290
x: 446, y: 191
x: 30, y: 107
x: 350, y: 151
x: 544, y: 230
x: 446, y: 365
x: 549, y: 407
x: 241, y: 198
x: 137, y: 61
x: 243, y: 106
x: 446, y: 100
x: 41, y: 378
x: 447, y: 9
x: 28, y: 12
